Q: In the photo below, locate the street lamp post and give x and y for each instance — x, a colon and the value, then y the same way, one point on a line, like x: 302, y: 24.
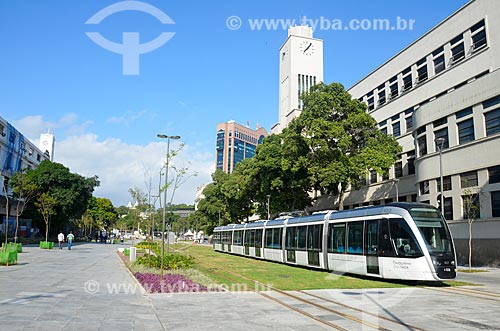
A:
x: 163, y: 136
x: 268, y: 198
x: 440, y: 142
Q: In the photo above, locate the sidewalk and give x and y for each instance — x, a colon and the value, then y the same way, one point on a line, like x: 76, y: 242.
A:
x: 88, y: 288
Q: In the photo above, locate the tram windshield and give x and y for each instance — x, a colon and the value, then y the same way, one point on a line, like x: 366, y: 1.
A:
x: 434, y: 230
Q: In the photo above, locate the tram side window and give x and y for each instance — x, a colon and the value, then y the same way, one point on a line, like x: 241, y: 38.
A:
x: 355, y: 238
x: 336, y: 238
x: 258, y: 238
x: 403, y: 240
x: 301, y: 238
x: 215, y: 238
x: 273, y: 238
x: 314, y: 233
x: 385, y: 246
x: 277, y: 238
x: 237, y: 237
x: 249, y: 239
x: 226, y: 237
x: 291, y: 238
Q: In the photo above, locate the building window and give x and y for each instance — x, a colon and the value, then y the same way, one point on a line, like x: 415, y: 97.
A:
x: 410, y: 159
x: 373, y: 176
x: 381, y: 94
x: 393, y: 86
x: 471, y: 207
x: 439, y: 64
x: 439, y: 122
x: 409, y: 123
x: 446, y: 183
x: 424, y: 187
x: 468, y: 179
x: 478, y: 36
x: 385, y: 176
x: 464, y: 112
x: 495, y: 203
x: 413, y: 198
x: 396, y: 129
x: 422, y: 146
x: 448, y: 208
x: 457, y: 49
x: 360, y: 183
x: 494, y: 174
x: 421, y: 71
x: 491, y: 102
x: 492, y: 120
x: 398, y: 169
x: 466, y: 131
x: 407, y: 79
x: 443, y: 133
x: 370, y: 103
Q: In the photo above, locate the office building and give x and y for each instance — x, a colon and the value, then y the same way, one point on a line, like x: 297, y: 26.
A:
x: 16, y: 153
x: 235, y: 143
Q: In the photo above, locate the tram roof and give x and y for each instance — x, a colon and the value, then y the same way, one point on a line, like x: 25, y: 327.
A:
x: 308, y: 218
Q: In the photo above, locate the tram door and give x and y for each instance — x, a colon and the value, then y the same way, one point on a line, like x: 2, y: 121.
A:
x: 371, y: 249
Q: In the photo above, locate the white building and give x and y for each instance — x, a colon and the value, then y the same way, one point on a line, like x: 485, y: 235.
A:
x: 442, y: 88
x: 301, y: 66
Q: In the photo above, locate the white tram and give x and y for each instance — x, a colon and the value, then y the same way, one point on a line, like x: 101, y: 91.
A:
x: 406, y: 241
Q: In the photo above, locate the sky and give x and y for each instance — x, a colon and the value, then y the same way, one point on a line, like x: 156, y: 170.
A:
x: 218, y: 61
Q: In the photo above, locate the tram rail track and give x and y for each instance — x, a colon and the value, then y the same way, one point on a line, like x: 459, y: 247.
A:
x: 315, y: 305
x: 484, y: 295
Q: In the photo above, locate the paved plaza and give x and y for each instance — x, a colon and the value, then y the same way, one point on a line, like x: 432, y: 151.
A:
x: 88, y: 288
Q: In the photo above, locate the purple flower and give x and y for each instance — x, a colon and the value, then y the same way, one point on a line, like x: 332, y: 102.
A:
x: 171, y: 283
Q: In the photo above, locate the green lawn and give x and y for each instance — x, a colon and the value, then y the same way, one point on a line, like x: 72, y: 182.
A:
x: 279, y: 275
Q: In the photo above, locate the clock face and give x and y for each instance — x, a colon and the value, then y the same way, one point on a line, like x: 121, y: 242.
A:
x: 45, y: 143
x: 306, y: 48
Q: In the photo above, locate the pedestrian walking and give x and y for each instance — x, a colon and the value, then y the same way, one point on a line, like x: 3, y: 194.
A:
x: 60, y: 238
x: 70, y: 239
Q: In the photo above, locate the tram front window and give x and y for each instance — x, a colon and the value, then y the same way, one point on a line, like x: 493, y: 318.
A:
x: 403, y: 240
x: 434, y: 231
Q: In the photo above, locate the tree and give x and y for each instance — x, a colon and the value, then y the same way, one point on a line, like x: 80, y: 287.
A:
x: 46, y: 204
x: 472, y: 210
x: 24, y: 191
x: 342, y: 138
x: 102, y: 211
x: 72, y: 191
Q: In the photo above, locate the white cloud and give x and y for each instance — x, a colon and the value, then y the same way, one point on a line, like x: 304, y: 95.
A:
x: 119, y: 165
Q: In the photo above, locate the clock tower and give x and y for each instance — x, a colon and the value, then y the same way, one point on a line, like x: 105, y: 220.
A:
x: 47, y: 141
x: 301, y: 66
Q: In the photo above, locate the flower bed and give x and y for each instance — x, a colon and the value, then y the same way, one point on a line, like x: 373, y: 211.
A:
x: 171, y: 283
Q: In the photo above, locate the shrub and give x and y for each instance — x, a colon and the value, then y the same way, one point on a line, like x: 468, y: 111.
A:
x: 170, y: 261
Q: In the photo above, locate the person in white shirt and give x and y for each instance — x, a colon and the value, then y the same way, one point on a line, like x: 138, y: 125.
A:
x: 60, y: 238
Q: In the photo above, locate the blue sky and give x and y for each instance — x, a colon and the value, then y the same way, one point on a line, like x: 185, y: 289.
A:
x: 54, y: 76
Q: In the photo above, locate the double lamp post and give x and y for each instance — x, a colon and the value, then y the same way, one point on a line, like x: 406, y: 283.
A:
x: 164, y: 136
